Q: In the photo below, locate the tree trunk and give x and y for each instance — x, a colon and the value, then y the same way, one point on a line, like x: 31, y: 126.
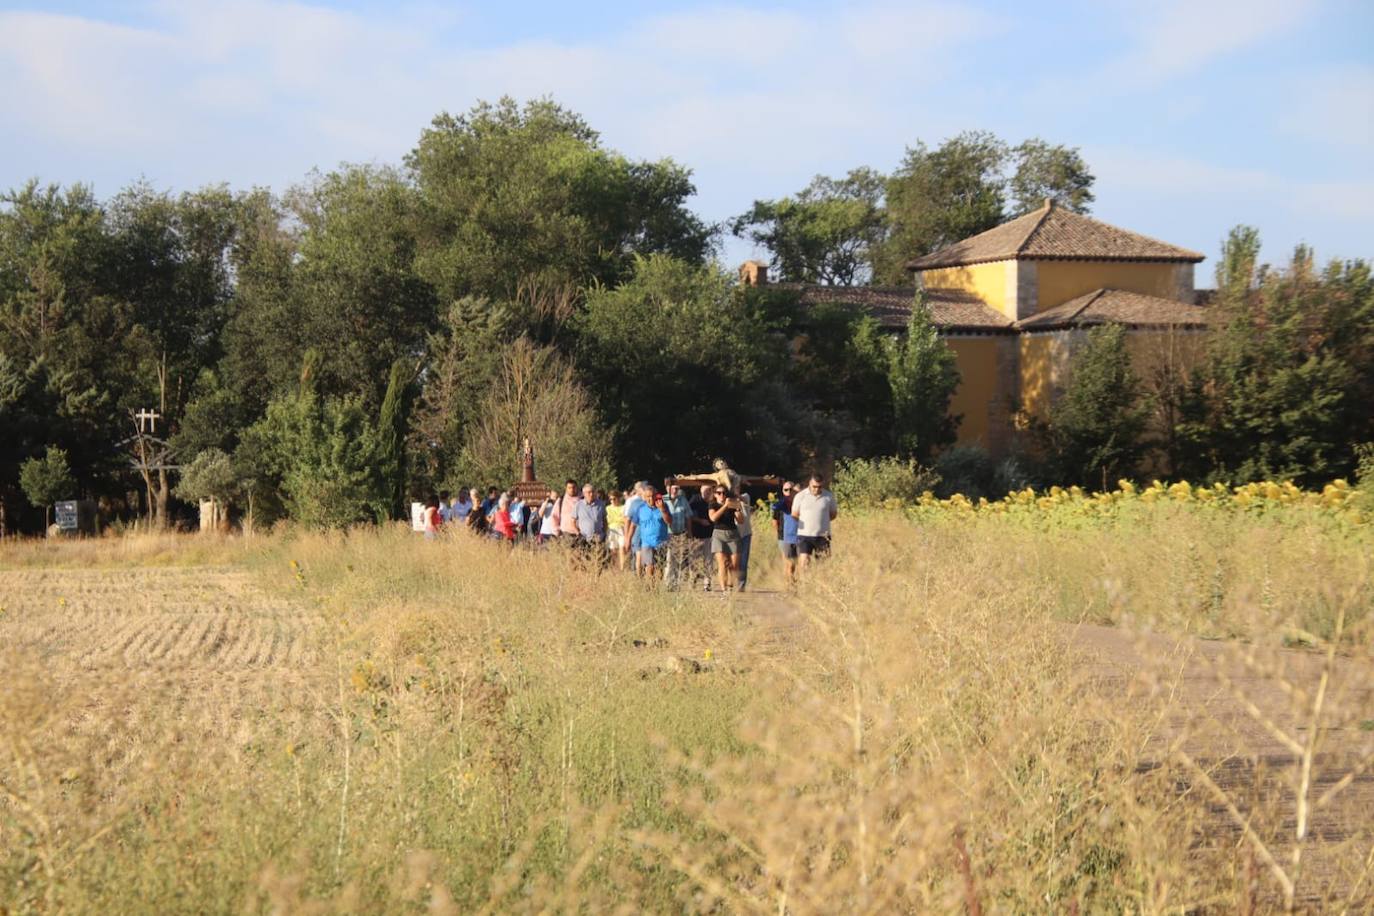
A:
x: 150, y: 496
x: 163, y: 496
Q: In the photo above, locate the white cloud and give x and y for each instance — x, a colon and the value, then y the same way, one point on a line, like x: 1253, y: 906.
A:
x: 761, y: 89
x: 80, y: 79
x: 756, y: 99
x: 1179, y: 37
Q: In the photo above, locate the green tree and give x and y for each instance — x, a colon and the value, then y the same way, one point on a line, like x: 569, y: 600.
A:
x: 462, y: 359
x: 1044, y: 170
x: 320, y: 453
x: 837, y: 378
x: 939, y: 196
x: 677, y: 357
x: 524, y: 205
x: 168, y: 261
x: 1238, y: 268
x: 1096, y: 427
x: 921, y: 376
x: 46, y: 480
x: 962, y: 187
x: 266, y: 335
x: 67, y: 383
x: 211, y: 475
x: 1278, y: 394
x: 391, y: 435
x: 537, y: 395
x: 826, y: 234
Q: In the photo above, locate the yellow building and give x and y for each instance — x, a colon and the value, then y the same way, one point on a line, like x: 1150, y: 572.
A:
x: 1014, y: 302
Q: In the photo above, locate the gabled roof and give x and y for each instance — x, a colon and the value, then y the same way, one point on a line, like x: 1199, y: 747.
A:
x: 890, y: 306
x: 1118, y: 306
x: 1053, y: 233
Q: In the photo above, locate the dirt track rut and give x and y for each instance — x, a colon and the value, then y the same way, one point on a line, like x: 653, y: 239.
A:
x: 1232, y: 721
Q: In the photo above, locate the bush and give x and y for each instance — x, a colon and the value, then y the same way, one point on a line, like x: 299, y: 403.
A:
x: 1364, y: 465
x: 324, y: 453
x: 966, y: 469
x: 46, y: 480
x: 864, y: 482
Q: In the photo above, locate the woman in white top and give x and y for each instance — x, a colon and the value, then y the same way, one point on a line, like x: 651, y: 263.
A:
x: 548, y: 528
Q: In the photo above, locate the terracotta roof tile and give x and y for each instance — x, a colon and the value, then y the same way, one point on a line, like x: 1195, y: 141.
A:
x: 952, y: 309
x: 1120, y: 306
x: 1053, y: 233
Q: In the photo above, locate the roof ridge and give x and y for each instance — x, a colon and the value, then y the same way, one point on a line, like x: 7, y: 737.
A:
x: 1045, y: 212
x: 1091, y: 297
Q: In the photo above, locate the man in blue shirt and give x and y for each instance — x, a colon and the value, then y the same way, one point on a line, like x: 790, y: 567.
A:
x: 649, y: 524
x: 786, y: 527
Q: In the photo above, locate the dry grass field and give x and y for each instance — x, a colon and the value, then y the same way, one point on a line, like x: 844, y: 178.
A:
x: 373, y: 723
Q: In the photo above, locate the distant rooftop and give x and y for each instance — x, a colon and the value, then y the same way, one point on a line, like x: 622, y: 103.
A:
x: 955, y: 310
x: 1053, y: 233
x: 890, y: 306
x: 1117, y: 306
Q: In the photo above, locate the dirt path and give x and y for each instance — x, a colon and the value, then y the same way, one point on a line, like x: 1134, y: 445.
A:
x: 1233, y: 723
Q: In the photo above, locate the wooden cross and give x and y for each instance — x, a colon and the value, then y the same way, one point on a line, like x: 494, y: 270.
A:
x: 151, y: 416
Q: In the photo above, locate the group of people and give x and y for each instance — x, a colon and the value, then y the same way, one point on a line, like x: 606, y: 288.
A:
x: 674, y: 535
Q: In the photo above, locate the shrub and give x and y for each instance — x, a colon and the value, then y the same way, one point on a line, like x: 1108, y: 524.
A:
x: 46, y: 480
x: 865, y: 482
x: 966, y: 469
x: 1364, y: 465
x: 324, y: 452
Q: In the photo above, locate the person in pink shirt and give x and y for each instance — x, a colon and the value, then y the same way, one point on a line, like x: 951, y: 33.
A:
x: 565, y: 512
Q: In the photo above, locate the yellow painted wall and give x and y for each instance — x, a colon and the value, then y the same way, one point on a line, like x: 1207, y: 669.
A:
x: 1060, y: 281
x: 977, y: 394
x: 986, y: 281
x: 1043, y: 357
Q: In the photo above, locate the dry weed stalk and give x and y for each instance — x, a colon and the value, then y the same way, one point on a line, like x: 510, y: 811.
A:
x: 1311, y: 720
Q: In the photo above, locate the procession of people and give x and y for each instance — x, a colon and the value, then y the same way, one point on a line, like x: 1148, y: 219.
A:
x: 700, y: 537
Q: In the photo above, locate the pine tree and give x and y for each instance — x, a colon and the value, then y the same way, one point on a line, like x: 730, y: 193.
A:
x: 391, y: 435
x: 1096, y: 427
x: 921, y: 375
x: 321, y: 454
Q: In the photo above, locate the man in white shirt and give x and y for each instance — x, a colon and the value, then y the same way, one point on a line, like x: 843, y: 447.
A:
x: 461, y: 506
x: 814, y: 509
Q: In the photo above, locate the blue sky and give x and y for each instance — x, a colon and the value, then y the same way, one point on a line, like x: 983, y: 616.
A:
x: 1195, y: 115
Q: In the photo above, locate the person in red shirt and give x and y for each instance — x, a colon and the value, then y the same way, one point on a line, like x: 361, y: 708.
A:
x: 502, y: 523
